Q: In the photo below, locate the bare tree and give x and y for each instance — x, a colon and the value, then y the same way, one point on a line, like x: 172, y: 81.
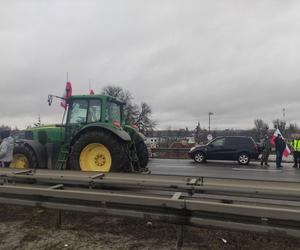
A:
x: 280, y: 124
x: 134, y: 114
x: 293, y: 127
x: 261, y: 128
x: 197, y: 135
x: 143, y: 118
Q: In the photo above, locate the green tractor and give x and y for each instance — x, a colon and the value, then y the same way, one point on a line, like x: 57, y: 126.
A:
x: 94, y: 137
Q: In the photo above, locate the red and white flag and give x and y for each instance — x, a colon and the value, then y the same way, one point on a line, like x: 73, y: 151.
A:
x: 286, y: 151
x: 66, y: 95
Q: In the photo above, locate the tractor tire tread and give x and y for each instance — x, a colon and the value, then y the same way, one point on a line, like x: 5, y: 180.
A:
x: 116, y: 147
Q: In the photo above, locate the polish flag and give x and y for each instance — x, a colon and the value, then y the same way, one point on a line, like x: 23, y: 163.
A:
x: 66, y: 95
x: 286, y: 151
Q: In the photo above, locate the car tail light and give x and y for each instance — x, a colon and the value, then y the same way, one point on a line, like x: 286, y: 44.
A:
x: 117, y: 124
x: 255, y: 148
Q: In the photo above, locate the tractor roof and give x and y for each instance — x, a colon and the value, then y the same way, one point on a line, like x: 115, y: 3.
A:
x: 110, y: 98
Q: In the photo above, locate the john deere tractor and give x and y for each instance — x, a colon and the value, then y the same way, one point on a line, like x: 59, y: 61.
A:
x: 94, y: 137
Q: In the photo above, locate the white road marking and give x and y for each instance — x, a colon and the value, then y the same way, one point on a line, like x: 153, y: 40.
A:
x: 257, y: 170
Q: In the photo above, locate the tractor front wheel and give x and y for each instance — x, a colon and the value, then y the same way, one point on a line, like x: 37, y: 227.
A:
x: 99, y: 151
x: 23, y: 157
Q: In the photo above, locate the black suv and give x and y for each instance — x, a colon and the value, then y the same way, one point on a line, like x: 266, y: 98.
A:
x: 240, y: 148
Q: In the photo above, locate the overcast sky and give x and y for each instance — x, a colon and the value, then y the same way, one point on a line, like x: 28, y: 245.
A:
x: 237, y: 59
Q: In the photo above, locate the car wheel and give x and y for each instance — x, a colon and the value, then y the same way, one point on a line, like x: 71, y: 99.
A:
x: 199, y: 157
x: 243, y: 159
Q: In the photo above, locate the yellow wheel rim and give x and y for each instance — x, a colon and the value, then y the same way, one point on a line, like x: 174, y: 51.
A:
x: 19, y: 161
x: 95, y: 157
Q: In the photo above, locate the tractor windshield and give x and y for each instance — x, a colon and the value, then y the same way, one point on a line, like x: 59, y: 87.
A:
x: 78, y: 112
x: 84, y: 111
x: 114, y: 112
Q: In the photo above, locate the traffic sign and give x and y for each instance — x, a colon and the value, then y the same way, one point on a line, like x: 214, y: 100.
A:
x: 209, y: 137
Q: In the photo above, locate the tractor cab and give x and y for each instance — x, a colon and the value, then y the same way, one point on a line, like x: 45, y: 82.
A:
x: 84, y: 110
x: 95, y: 108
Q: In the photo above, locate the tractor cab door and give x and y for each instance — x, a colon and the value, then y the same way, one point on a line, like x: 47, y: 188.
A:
x: 80, y: 113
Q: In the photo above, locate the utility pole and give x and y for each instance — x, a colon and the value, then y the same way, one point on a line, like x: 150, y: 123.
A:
x: 284, y: 122
x: 209, y: 114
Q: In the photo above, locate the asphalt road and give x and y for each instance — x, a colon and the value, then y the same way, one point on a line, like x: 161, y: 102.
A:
x: 224, y: 169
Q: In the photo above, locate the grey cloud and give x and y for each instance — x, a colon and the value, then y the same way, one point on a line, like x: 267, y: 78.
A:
x: 236, y: 59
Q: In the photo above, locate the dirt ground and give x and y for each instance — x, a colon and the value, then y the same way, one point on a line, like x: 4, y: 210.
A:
x: 34, y: 228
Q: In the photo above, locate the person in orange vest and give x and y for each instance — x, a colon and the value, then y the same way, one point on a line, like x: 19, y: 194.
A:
x: 295, y: 143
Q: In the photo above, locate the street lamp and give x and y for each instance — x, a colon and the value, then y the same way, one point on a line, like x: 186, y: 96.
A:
x: 209, y: 114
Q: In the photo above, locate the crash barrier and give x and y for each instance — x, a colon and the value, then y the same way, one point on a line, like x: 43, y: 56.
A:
x: 170, y: 153
x: 271, y: 207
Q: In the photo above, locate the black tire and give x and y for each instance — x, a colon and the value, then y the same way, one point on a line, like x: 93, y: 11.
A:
x: 116, y: 147
x: 28, y: 153
x: 142, y: 153
x: 199, y: 157
x: 243, y: 158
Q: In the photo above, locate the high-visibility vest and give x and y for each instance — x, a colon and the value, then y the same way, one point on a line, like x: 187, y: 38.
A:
x: 296, y: 145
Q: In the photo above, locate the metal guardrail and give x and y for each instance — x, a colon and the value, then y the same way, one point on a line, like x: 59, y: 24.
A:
x: 171, y: 153
x: 250, y: 205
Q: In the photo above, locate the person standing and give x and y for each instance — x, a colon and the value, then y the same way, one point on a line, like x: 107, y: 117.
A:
x: 280, y: 146
x: 266, y: 151
x: 295, y: 143
x: 6, y: 148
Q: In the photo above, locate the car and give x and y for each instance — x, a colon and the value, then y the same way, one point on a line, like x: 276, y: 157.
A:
x: 239, y: 148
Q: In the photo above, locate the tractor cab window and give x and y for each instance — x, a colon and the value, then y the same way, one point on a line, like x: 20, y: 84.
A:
x: 94, y: 113
x: 114, y: 112
x: 78, y: 112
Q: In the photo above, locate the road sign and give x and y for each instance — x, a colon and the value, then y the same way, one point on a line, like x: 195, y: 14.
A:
x: 209, y: 137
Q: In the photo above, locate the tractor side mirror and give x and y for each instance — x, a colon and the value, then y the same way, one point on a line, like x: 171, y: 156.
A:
x: 50, y: 99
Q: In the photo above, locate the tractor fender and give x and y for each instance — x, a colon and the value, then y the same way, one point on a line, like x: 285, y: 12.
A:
x: 134, y: 133
x: 123, y: 135
x: 141, y: 136
x: 38, y: 149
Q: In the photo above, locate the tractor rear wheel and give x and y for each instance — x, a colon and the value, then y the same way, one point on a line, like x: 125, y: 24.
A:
x: 23, y: 157
x: 99, y: 151
x: 142, y: 153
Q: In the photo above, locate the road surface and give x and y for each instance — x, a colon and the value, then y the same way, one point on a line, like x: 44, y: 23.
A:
x: 224, y: 169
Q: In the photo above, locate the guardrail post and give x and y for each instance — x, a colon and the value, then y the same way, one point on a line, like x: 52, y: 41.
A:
x: 58, y: 218
x: 179, y: 234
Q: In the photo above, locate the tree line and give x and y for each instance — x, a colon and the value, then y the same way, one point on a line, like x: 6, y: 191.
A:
x: 259, y: 130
